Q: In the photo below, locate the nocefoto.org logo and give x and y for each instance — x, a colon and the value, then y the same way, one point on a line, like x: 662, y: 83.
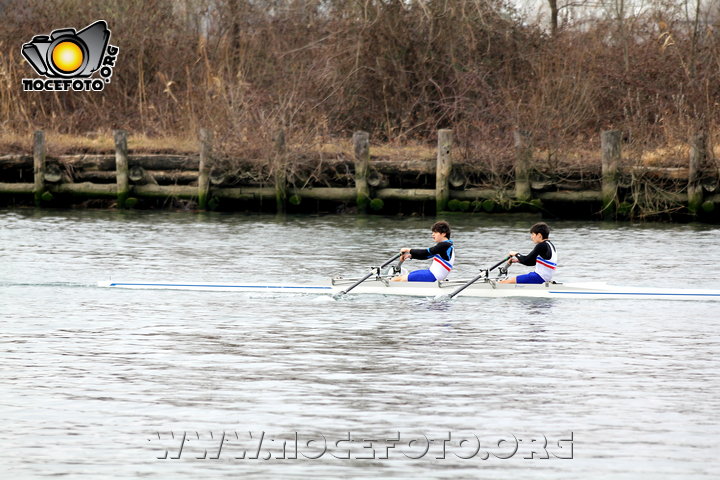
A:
x: 67, y: 59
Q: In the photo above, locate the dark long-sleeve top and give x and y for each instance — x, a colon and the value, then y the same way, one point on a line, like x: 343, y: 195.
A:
x: 441, y: 248
x: 541, y: 249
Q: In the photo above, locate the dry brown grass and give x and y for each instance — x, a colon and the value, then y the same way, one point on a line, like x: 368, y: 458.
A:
x: 321, y: 69
x: 96, y: 142
x: 101, y: 142
x: 395, y: 151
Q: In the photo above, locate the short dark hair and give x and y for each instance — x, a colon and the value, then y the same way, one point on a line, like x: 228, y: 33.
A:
x: 441, y: 227
x: 542, y: 229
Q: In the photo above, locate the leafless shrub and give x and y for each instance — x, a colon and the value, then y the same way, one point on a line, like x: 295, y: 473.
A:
x: 320, y: 69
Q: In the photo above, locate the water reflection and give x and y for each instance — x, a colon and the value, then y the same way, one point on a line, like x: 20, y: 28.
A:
x: 537, y: 306
x: 438, y: 304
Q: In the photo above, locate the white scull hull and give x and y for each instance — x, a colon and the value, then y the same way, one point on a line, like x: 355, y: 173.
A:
x: 481, y: 290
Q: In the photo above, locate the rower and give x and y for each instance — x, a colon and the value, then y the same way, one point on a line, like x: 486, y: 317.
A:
x: 543, y: 257
x: 442, y: 255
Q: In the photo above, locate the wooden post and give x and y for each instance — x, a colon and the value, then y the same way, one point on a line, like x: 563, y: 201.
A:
x: 121, y: 167
x: 39, y: 166
x: 442, y: 169
x: 698, y: 152
x: 523, y: 156
x: 361, y: 141
x: 280, y: 172
x: 204, y: 168
x: 610, y: 141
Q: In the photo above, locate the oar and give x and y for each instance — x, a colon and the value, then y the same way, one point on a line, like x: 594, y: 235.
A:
x: 484, y: 273
x: 397, y: 269
x: 368, y: 276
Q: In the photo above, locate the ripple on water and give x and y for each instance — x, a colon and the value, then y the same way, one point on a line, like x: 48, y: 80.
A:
x: 91, y: 376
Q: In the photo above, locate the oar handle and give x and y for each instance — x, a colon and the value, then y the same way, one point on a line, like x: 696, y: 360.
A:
x: 499, y: 263
x: 369, y: 275
x: 391, y: 260
x: 397, y: 268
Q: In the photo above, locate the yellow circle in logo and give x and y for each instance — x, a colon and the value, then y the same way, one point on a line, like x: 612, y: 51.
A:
x: 67, y: 56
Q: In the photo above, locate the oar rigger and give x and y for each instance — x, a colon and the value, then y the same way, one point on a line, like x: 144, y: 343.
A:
x: 373, y: 270
x: 483, y: 273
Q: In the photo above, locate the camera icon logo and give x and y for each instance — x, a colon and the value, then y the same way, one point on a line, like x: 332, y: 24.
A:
x: 67, y: 54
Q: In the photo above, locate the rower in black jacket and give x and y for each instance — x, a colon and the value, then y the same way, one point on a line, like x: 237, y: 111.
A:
x: 442, y: 255
x: 543, y: 257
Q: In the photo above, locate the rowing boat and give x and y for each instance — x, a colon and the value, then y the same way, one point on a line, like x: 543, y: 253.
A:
x: 486, y: 288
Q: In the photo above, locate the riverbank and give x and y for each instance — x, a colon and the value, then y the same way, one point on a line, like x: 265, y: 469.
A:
x: 121, y: 171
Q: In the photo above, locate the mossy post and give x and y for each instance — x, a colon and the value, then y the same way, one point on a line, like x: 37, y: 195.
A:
x: 121, y: 167
x: 442, y: 169
x: 523, y: 156
x: 204, y: 169
x: 698, y: 152
x: 361, y: 142
x: 610, y: 146
x: 280, y: 171
x: 39, y: 166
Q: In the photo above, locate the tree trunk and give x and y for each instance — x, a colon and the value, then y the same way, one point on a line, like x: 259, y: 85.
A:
x: 553, y: 17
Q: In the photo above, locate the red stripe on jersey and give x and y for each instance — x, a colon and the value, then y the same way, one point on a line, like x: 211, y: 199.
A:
x: 543, y: 263
x: 443, y: 264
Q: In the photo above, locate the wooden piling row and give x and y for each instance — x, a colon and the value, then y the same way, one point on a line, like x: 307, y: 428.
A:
x: 371, y: 186
x: 204, y: 168
x: 121, y: 167
x: 443, y: 169
x: 279, y: 168
x: 39, y: 166
x: 698, y: 152
x: 610, y: 158
x: 361, y: 143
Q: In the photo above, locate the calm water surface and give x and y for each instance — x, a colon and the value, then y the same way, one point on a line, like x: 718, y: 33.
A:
x: 98, y: 383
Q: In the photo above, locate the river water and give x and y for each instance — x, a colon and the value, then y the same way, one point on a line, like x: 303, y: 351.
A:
x: 100, y: 383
